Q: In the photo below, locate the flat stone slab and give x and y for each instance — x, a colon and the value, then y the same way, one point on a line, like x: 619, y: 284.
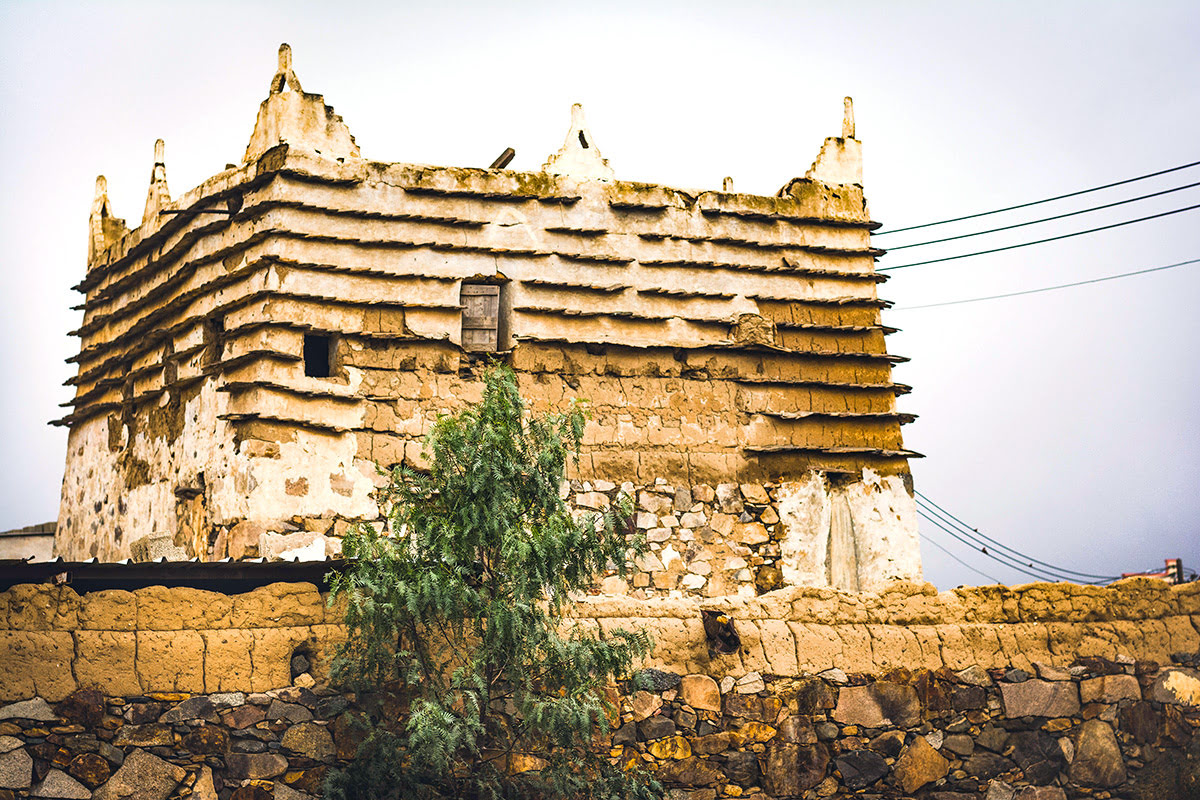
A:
x: 878, y: 705
x: 142, y: 777
x: 59, y: 784
x: 35, y: 709
x: 1109, y: 689
x: 16, y: 770
x: 1176, y: 685
x: 1038, y: 698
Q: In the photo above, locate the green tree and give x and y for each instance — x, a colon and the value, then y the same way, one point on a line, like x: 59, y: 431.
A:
x: 456, y: 612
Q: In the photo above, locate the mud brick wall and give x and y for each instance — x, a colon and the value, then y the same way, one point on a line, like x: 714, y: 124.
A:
x: 1046, y: 691
x: 253, y: 347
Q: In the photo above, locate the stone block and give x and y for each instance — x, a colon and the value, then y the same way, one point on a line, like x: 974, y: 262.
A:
x: 35, y: 709
x: 16, y: 770
x: 227, y: 665
x: 700, y: 692
x: 152, y: 734
x: 310, y: 740
x: 325, y: 639
x: 109, y: 610
x: 255, y: 766
x: 878, y: 705
x: 271, y: 656
x: 919, y: 764
x: 106, y: 658
x: 1038, y: 698
x: 170, y: 661
x: 1098, y: 761
x: 1177, y: 686
x: 36, y: 662
x: 299, y: 546
x: 58, y: 784
x: 142, y: 776
x: 1109, y: 689
x: 39, y: 607
x: 278, y: 605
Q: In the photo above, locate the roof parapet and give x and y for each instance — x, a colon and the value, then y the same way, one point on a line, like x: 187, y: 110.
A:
x: 298, y: 119
x: 840, y: 161
x: 579, y: 157
x: 159, y: 196
x: 103, y: 228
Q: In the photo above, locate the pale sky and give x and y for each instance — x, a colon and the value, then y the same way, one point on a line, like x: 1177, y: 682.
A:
x: 1062, y: 424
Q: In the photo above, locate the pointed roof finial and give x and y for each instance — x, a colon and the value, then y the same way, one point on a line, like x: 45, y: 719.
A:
x: 158, y: 195
x: 298, y: 119
x: 284, y: 76
x: 579, y: 156
x: 848, y: 119
x: 103, y: 227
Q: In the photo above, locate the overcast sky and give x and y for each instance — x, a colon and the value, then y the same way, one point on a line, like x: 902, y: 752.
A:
x: 1063, y: 424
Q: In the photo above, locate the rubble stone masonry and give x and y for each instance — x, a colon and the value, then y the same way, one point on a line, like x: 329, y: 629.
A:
x: 1041, y: 692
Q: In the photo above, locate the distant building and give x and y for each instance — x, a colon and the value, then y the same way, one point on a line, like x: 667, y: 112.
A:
x: 254, y: 347
x: 31, y: 543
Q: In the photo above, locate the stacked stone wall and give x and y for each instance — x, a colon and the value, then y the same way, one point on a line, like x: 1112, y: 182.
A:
x: 1045, y: 691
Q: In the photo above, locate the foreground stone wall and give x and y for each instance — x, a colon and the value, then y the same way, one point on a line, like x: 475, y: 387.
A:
x: 1045, y: 691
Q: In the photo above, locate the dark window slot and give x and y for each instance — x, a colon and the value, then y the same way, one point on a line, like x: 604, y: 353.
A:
x: 317, y: 362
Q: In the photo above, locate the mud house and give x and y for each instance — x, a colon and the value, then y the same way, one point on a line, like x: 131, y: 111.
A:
x: 255, y: 346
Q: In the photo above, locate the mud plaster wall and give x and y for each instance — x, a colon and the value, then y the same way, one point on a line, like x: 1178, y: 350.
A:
x: 228, y: 414
x: 53, y: 641
x: 718, y: 337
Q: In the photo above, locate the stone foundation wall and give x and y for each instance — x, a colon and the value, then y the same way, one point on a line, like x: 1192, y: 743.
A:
x: 1045, y: 691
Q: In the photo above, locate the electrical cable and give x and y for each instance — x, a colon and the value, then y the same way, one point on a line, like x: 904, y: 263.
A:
x: 1046, y: 200
x: 971, y: 531
x: 1044, y: 219
x: 985, y: 551
x: 959, y: 560
x: 1040, y: 241
x: 1000, y: 551
x: 1051, y: 288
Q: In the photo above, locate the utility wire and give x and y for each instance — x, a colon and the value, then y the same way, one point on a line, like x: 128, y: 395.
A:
x: 1046, y: 200
x: 1002, y: 546
x: 986, y: 552
x: 1051, y: 288
x: 998, y: 554
x: 959, y: 560
x: 1045, y: 219
x: 1040, y: 241
x: 981, y: 543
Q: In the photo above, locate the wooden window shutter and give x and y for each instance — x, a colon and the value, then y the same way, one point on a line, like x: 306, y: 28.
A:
x: 481, y: 317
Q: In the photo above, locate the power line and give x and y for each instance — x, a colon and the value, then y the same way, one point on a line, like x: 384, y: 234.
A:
x: 1040, y: 241
x: 973, y: 531
x: 1051, y: 288
x: 1005, y: 560
x: 1045, y: 219
x: 1018, y: 560
x: 1046, y: 200
x: 959, y: 560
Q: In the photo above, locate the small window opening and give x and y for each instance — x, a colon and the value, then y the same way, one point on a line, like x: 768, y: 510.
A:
x: 583, y: 140
x: 481, y: 317
x: 317, y: 362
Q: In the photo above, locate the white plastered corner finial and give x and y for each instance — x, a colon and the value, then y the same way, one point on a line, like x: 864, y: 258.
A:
x: 284, y: 76
x: 159, y: 195
x: 579, y: 156
x: 840, y: 161
x: 103, y: 227
x: 300, y: 120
